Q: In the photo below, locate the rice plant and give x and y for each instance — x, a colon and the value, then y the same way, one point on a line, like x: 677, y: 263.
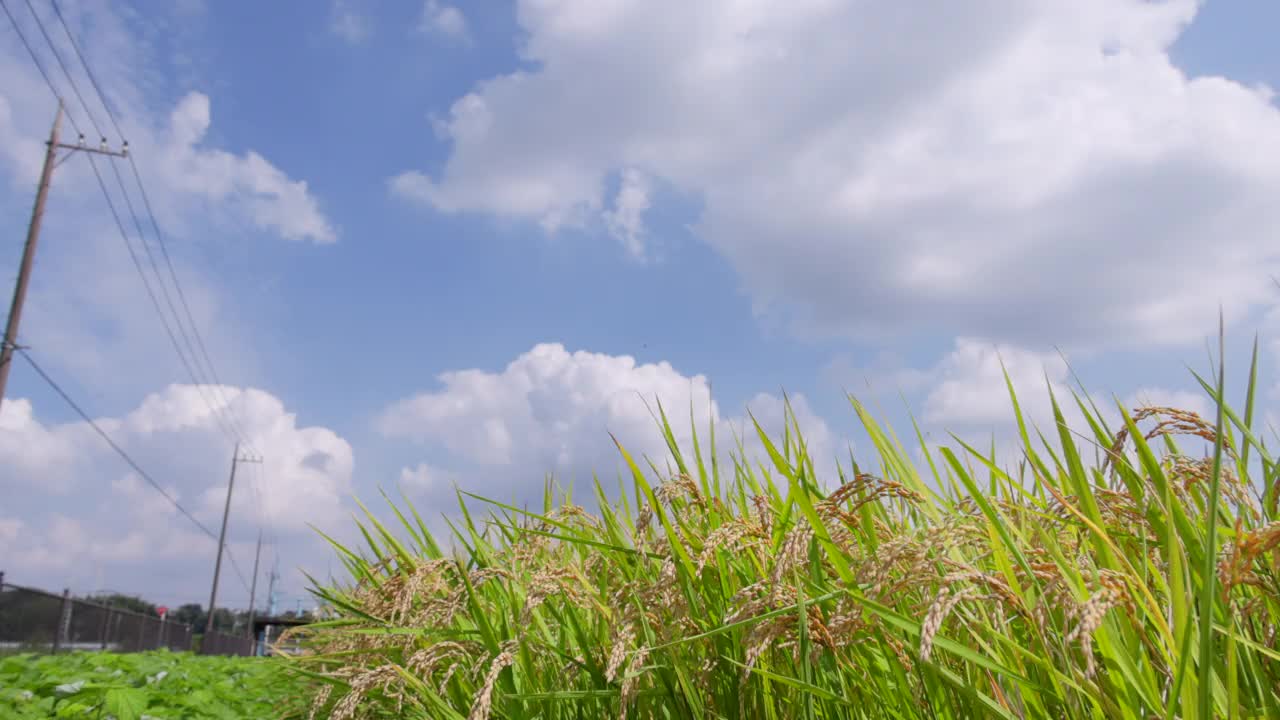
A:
x: 1108, y: 574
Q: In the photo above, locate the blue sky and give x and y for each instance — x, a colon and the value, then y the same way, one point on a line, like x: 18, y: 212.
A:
x: 387, y: 215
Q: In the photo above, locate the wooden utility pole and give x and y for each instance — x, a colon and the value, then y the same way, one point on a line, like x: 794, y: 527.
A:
x: 222, y: 536
x: 271, y: 584
x: 33, y: 237
x: 253, y: 586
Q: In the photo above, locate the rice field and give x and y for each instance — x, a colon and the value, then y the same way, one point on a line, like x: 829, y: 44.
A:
x: 1106, y: 573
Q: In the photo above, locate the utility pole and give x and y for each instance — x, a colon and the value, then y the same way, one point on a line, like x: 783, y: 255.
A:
x: 271, y: 586
x: 253, y: 586
x: 222, y: 536
x: 51, y: 161
x: 271, y: 595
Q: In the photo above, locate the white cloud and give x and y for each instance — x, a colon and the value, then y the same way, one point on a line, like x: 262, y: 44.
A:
x: 548, y: 409
x: 37, y: 456
x: 259, y: 189
x: 971, y: 387
x: 424, y: 477
x: 551, y: 411
x: 965, y: 394
x: 445, y: 19
x: 770, y: 412
x: 967, y: 388
x: 1037, y: 171
x: 51, y: 472
x: 626, y: 220
x: 348, y: 23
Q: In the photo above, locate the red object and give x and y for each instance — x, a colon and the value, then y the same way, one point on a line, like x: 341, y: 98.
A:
x: 162, y: 610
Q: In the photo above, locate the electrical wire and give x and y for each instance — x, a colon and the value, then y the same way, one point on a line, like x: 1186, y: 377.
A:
x: 114, y: 446
x: 155, y: 225
x: 36, y: 60
x: 198, y: 378
x: 88, y: 71
x: 53, y: 384
x: 74, y: 88
x: 133, y: 255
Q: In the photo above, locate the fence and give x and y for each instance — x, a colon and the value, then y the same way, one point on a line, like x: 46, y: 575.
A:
x: 37, y: 621
x: 33, y: 620
x: 216, y: 643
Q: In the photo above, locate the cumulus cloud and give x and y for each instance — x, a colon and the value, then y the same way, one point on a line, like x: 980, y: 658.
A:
x: 259, y: 189
x: 133, y: 534
x: 967, y: 388
x: 965, y: 393
x: 1047, y: 151
x: 444, y: 19
x: 626, y: 219
x: 552, y: 411
x: 549, y: 409
x: 37, y: 456
x: 971, y: 390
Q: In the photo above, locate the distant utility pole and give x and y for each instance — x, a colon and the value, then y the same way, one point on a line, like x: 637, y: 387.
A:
x: 253, y: 586
x: 271, y: 586
x: 222, y: 536
x: 51, y: 161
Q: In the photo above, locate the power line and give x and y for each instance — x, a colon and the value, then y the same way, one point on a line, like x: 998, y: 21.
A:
x: 137, y: 264
x: 261, y: 484
x: 146, y: 283
x: 146, y: 201
x: 259, y: 505
x: 236, y: 567
x: 35, y: 58
x: 164, y: 250
x: 186, y: 307
x: 231, y: 422
x: 124, y: 455
x: 201, y: 382
x: 197, y: 378
x: 74, y: 88
x: 103, y: 434
x: 88, y: 71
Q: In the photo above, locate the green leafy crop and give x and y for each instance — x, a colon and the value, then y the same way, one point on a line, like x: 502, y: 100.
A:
x: 137, y: 686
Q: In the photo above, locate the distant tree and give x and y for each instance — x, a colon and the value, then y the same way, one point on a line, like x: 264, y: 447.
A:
x: 120, y: 601
x: 224, y: 620
x: 189, y: 614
